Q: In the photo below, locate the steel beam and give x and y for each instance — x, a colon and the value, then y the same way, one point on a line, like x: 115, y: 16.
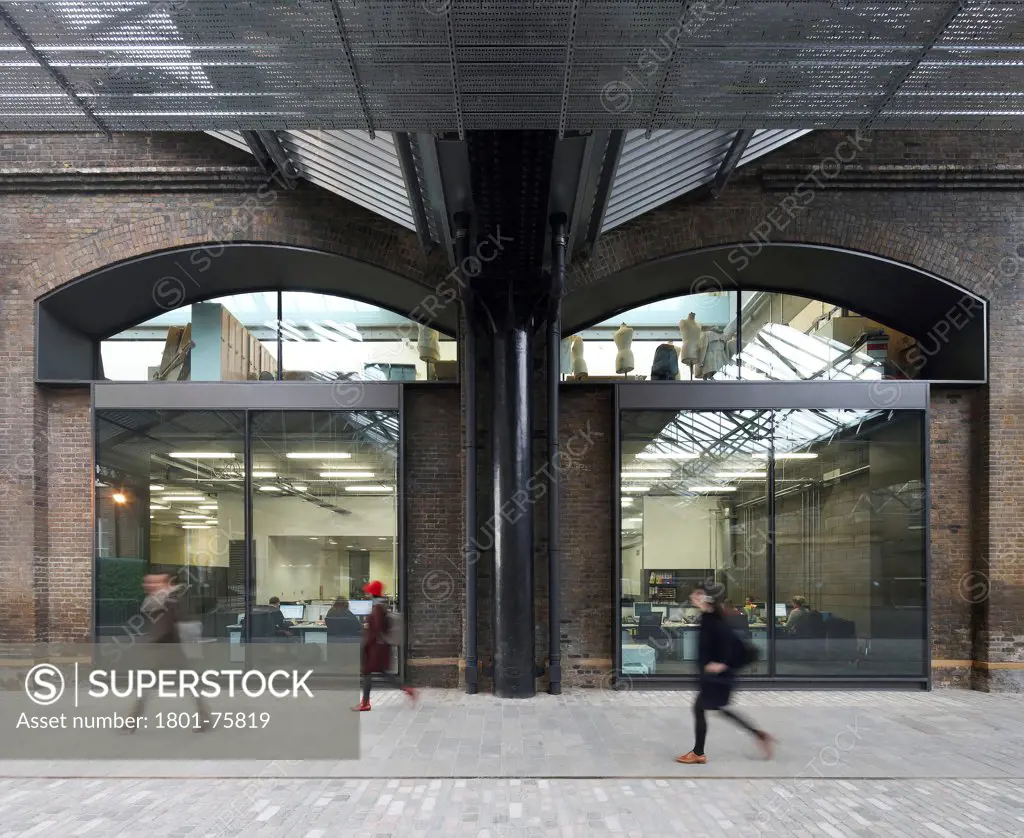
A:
x: 602, y: 197
x: 732, y: 159
x: 403, y: 146
x: 567, y: 75
x: 453, y: 64
x: 350, y: 60
x: 58, y: 77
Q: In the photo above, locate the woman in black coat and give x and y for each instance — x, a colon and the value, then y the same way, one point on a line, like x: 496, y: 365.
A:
x: 720, y: 653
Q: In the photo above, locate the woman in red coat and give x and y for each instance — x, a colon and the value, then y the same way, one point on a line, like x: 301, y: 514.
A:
x: 376, y: 651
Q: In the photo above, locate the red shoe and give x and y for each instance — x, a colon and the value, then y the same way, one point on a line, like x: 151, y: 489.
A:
x: 412, y: 692
x: 362, y: 707
x: 766, y: 742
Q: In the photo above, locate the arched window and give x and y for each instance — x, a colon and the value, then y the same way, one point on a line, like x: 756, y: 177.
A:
x: 740, y: 335
x: 278, y: 335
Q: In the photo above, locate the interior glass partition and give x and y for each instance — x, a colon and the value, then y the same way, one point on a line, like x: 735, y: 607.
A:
x: 810, y: 520
x: 266, y: 519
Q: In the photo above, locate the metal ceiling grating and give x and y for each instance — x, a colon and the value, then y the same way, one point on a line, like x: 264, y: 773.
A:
x: 429, y: 65
x: 654, y: 171
x: 350, y: 164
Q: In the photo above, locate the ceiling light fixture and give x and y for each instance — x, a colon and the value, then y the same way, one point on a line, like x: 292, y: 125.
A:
x: 637, y: 475
x: 322, y: 455
x: 347, y: 475
x: 667, y: 455
x: 183, y: 498
x: 763, y: 455
x: 158, y: 506
x: 636, y: 488
x: 193, y: 517
x: 195, y: 526
x: 712, y: 488
x: 264, y: 474
x: 368, y: 489
x: 202, y: 455
x: 741, y: 475
x: 208, y: 506
x: 300, y: 488
x: 155, y: 488
x: 270, y: 488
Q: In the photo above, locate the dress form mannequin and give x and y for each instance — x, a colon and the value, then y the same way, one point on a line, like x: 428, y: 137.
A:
x: 565, y: 356
x: 689, y: 333
x: 623, y: 338
x: 579, y: 366
x: 427, y: 345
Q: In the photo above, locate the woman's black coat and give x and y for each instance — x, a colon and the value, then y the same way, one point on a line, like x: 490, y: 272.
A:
x: 718, y: 644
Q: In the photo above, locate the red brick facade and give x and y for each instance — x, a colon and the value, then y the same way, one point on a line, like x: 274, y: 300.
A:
x: 49, y: 237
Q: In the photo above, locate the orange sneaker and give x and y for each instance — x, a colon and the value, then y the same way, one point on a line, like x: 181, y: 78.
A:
x: 362, y: 707
x: 692, y: 759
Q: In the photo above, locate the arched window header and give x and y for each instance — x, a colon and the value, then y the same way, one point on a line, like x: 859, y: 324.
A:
x: 159, y: 289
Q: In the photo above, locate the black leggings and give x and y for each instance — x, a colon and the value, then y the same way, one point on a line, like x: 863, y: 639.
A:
x: 387, y: 676
x: 701, y: 724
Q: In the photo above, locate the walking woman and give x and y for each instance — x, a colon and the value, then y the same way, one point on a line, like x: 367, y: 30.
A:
x: 376, y: 651
x: 720, y: 653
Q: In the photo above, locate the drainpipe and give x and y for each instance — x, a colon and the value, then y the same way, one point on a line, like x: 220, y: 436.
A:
x: 469, y: 450
x: 559, y: 242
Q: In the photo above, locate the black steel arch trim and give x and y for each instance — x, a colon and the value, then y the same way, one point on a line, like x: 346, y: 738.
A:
x: 899, y: 295
x: 73, y: 318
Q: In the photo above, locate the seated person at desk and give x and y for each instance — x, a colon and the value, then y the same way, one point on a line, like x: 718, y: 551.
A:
x: 281, y: 625
x: 798, y: 620
x: 341, y: 622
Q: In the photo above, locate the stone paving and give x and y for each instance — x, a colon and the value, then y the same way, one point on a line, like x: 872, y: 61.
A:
x: 946, y: 763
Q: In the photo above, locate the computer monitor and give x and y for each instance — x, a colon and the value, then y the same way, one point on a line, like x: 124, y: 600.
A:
x: 780, y: 609
x: 361, y: 607
x: 292, y: 612
x: 641, y: 608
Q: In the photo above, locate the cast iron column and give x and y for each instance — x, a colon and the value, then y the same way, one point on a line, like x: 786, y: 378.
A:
x: 514, y: 666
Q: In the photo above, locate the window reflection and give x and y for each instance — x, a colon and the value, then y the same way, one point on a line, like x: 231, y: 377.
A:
x: 847, y: 569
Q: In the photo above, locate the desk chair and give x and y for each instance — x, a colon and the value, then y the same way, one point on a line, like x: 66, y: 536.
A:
x: 650, y: 629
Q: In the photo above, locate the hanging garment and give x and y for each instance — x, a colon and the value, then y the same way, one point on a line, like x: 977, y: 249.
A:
x: 715, y: 356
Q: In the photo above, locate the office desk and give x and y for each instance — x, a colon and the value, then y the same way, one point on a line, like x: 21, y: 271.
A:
x: 309, y: 632
x: 638, y: 659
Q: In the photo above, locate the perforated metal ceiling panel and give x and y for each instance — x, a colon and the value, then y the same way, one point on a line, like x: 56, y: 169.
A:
x: 433, y: 65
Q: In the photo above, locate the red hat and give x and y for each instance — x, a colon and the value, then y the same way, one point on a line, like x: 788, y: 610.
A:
x: 374, y: 588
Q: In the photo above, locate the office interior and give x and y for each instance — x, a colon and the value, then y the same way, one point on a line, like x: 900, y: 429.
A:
x: 843, y: 493
x: 171, y: 497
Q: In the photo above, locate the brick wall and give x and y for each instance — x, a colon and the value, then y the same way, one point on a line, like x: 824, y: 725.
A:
x: 435, y: 582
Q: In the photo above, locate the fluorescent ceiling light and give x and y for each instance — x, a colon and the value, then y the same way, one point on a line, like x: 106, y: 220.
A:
x: 627, y: 501
x: 194, y: 517
x: 300, y: 488
x: 636, y: 488
x: 631, y: 475
x: 184, y: 498
x: 270, y: 488
x: 202, y: 455
x: 195, y: 526
x: 155, y: 488
x: 382, y: 538
x: 632, y: 523
x: 741, y: 475
x: 322, y: 455
x: 158, y: 506
x: 208, y: 506
x: 667, y: 455
x: 367, y: 488
x: 264, y: 474
x: 763, y: 455
x: 350, y: 475
x: 712, y: 488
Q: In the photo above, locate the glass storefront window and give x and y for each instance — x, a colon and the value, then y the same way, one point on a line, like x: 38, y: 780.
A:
x: 171, y: 497
x: 270, y: 335
x: 733, y: 336
x: 840, y: 588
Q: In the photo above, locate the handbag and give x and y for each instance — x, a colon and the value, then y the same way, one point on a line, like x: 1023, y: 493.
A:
x: 393, y: 635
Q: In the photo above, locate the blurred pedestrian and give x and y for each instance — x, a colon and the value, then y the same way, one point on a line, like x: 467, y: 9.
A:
x: 720, y: 653
x: 378, y: 638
